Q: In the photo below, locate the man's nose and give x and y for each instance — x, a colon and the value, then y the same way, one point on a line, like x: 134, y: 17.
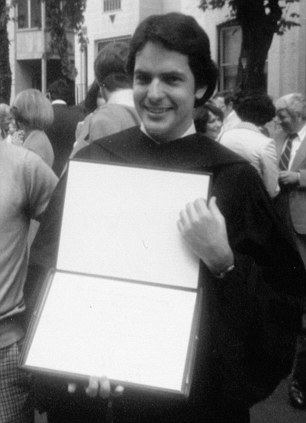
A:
x: 155, y: 90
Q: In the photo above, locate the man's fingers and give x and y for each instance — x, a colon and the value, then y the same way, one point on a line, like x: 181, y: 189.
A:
x: 118, y: 391
x: 180, y: 226
x: 72, y: 388
x: 104, y: 387
x: 98, y: 386
x: 200, y: 206
x: 214, y: 208
x: 191, y: 212
x: 93, y: 387
x: 184, y: 219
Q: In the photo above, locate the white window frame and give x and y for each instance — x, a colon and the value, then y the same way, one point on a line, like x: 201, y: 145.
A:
x: 29, y: 22
x: 233, y: 25
x: 222, y: 64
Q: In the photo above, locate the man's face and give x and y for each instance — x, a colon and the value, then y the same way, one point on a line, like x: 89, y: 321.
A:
x: 289, y: 123
x: 164, y: 91
x: 213, y: 126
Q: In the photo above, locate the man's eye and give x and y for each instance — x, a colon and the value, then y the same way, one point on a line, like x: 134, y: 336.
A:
x: 142, y: 79
x: 171, y: 79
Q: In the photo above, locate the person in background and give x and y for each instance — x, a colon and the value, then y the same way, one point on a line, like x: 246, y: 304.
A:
x: 291, y: 204
x: 118, y: 112
x: 208, y: 119
x: 246, y: 138
x: 33, y: 114
x: 62, y: 132
x: 251, y: 275
x: 94, y: 99
x: 225, y: 101
x: 92, y: 102
x: 291, y: 113
x: 15, y: 135
x: 5, y: 119
x: 116, y: 88
x: 9, y: 131
x: 26, y: 184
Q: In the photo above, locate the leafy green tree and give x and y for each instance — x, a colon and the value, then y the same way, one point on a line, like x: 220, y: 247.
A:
x: 259, y: 21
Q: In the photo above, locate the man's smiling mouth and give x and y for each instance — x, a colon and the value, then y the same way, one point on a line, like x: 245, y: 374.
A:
x: 157, y: 110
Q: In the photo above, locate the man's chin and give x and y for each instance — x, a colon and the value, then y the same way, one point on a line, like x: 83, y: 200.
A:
x: 155, y: 130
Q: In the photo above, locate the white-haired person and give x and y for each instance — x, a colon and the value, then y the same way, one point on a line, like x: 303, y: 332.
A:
x: 33, y: 114
x: 291, y: 203
x: 291, y: 113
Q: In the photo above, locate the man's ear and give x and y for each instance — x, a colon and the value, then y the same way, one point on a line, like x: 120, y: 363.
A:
x: 200, y: 92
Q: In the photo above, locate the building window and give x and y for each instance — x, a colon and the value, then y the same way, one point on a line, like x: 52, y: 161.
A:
x: 111, y: 5
x: 29, y: 14
x: 230, y: 38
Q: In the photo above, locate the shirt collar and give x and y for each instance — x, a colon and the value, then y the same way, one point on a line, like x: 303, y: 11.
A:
x: 59, y: 101
x: 190, y: 131
x: 247, y: 125
x: 302, y: 133
x: 124, y: 96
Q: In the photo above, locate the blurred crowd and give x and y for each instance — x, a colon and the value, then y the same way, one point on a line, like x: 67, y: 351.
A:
x: 41, y: 133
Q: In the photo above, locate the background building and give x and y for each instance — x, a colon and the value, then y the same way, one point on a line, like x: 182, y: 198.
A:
x: 107, y: 20
x: 32, y: 63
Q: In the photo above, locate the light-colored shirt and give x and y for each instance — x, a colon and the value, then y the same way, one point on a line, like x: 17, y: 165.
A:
x: 26, y: 185
x: 38, y: 142
x: 230, y: 122
x: 116, y: 115
x: 122, y: 96
x: 59, y: 101
x: 247, y: 140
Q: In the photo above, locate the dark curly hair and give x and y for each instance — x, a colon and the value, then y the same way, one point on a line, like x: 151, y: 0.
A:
x: 255, y: 107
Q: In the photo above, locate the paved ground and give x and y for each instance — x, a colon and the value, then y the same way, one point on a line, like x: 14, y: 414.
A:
x: 277, y: 409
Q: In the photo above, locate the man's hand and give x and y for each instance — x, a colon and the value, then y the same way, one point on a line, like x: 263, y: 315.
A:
x: 203, y: 227
x: 98, y: 386
x: 286, y: 177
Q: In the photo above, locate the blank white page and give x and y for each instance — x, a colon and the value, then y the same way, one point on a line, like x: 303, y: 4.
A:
x: 121, y: 222
x: 128, y: 332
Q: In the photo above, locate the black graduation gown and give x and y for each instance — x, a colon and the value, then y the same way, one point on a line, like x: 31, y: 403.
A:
x: 250, y: 318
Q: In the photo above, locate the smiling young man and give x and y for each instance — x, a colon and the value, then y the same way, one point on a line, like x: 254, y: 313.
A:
x: 164, y: 92
x: 248, y: 326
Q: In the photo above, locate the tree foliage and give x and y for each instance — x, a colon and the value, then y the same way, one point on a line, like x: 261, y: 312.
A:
x: 276, y: 13
x: 62, y: 15
x: 259, y: 21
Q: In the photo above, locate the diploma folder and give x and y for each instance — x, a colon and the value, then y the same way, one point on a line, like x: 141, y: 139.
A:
x: 124, y: 299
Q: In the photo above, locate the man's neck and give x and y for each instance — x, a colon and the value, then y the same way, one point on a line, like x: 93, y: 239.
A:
x: 190, y: 131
